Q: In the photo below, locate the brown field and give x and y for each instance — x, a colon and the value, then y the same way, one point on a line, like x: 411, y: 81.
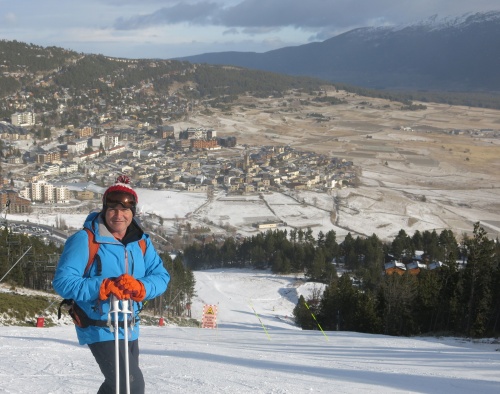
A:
x: 459, y: 174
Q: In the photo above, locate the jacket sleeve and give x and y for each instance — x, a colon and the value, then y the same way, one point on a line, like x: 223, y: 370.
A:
x: 68, y: 279
x: 156, y: 277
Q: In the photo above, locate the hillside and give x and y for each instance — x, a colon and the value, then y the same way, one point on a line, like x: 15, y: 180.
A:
x: 31, y: 73
x: 42, y: 71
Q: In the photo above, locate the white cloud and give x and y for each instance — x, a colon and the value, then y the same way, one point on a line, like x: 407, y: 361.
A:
x: 176, y: 28
x: 10, y: 17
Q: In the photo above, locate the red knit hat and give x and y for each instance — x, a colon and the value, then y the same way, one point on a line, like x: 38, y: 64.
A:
x: 122, y: 184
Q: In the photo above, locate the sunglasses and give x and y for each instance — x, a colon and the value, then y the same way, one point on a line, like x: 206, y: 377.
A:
x: 120, y: 200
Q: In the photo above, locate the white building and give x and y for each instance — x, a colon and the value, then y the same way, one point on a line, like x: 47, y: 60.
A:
x: 49, y: 169
x: 62, y: 194
x: 111, y: 140
x: 97, y: 141
x: 78, y: 146
x: 36, y: 191
x: 42, y: 191
x: 23, y: 119
x: 49, y: 193
x: 68, y: 168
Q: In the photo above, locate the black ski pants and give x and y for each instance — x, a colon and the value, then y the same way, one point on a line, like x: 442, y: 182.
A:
x: 104, y: 353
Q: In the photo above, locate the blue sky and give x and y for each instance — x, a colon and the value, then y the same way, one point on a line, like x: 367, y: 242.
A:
x: 174, y: 28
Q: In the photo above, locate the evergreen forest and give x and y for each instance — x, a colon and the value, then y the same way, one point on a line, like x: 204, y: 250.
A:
x: 462, y: 297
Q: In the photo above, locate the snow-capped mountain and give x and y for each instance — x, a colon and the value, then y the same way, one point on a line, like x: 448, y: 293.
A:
x: 456, y: 54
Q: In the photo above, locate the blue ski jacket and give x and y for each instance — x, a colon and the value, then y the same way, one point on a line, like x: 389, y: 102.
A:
x: 71, y: 281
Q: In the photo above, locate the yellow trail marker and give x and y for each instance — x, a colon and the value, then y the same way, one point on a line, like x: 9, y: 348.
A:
x: 262, y: 324
x: 314, y: 317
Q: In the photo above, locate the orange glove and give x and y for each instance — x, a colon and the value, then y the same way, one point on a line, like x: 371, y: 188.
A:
x: 108, y: 286
x: 131, y: 287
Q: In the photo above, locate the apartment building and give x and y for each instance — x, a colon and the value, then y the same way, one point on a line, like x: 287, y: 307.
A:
x: 42, y: 191
x: 97, y: 141
x: 87, y: 131
x: 78, y: 146
x: 48, y: 157
x: 202, y: 144
x: 23, y: 118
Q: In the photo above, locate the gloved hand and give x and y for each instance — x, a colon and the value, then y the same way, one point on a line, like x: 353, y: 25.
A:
x: 108, y: 287
x: 131, y: 287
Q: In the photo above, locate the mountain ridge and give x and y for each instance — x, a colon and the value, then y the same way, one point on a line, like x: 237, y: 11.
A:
x: 452, y: 55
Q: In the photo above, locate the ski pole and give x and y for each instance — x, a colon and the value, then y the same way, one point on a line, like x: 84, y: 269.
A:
x: 115, y: 302
x: 125, y: 312
x: 11, y: 268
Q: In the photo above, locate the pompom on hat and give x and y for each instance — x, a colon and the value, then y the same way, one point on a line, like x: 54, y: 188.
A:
x: 122, y: 185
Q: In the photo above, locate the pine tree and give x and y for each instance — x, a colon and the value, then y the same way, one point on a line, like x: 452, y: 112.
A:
x: 317, y: 270
x: 478, y: 282
x: 397, y: 295
x: 303, y: 316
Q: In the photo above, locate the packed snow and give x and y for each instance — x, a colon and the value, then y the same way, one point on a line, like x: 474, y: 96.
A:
x: 255, y: 349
